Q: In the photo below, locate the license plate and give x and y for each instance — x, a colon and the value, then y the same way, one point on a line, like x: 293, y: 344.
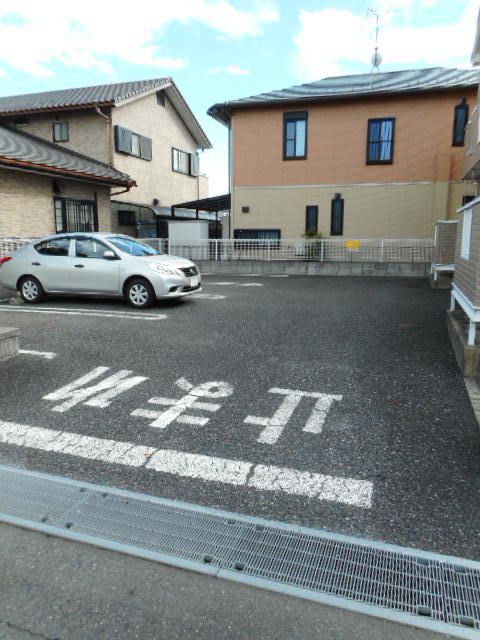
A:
x: 194, y: 282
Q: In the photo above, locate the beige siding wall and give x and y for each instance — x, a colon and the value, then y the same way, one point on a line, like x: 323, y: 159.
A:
x: 88, y: 131
x: 26, y: 203
x: 466, y: 271
x: 388, y: 210
x: 155, y: 178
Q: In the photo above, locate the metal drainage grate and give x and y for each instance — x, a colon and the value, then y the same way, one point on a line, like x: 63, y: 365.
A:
x: 423, y: 589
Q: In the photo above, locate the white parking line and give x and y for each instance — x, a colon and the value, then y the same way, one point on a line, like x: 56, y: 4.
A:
x: 48, y: 355
x: 236, y: 284
x: 223, y: 284
x: 280, y: 275
x: 348, y: 491
x: 251, y: 284
x: 94, y: 314
x: 210, y: 296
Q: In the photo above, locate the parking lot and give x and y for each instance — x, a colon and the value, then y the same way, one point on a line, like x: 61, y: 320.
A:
x: 332, y: 402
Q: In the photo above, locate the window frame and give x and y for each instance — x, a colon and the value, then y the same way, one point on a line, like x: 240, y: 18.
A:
x: 60, y: 204
x: 315, y: 208
x: 184, y: 153
x: 466, y: 235
x: 342, y: 201
x: 295, y: 116
x: 68, y: 239
x: 80, y: 238
x: 61, y: 124
x: 459, y: 108
x: 392, y: 141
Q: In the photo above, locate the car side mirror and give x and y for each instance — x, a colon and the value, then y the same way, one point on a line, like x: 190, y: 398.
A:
x: 109, y: 255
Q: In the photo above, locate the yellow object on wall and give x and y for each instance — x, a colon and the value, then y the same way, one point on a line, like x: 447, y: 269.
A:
x: 352, y: 244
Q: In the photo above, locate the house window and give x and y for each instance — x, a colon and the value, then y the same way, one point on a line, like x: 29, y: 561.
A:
x: 256, y: 234
x: 133, y: 144
x: 460, y: 120
x: 180, y: 161
x: 60, y: 131
x: 380, y: 137
x: 126, y: 218
x: 295, y: 135
x: 161, y: 97
x: 336, y: 223
x: 466, y: 233
x: 311, y: 219
x: 467, y: 199
x: 73, y: 215
x: 21, y: 122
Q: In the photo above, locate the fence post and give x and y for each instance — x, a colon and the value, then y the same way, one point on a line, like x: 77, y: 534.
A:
x: 268, y: 250
x: 216, y: 250
x: 322, y: 245
x: 382, y: 252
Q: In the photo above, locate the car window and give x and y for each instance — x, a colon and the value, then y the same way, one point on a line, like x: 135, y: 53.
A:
x: 89, y: 248
x: 54, y: 247
x: 132, y: 247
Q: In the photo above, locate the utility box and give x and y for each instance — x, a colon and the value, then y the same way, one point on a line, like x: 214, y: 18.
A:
x: 189, y: 239
x: 187, y: 231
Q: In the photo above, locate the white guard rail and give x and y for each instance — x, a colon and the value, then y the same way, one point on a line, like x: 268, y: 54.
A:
x: 320, y: 250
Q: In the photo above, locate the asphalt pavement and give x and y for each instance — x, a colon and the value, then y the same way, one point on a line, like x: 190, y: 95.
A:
x: 372, y: 431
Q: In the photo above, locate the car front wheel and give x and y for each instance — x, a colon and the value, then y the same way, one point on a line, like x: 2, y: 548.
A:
x: 139, y: 293
x: 31, y: 290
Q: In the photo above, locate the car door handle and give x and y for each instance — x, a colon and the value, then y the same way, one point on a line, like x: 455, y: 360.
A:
x: 36, y: 264
x: 79, y: 266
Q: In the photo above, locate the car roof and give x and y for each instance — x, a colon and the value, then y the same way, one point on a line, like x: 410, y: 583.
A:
x: 82, y: 234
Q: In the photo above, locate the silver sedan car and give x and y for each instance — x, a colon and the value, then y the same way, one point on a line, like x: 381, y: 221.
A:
x: 98, y: 264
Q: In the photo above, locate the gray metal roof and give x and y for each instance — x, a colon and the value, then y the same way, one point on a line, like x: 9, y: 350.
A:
x: 83, y: 96
x: 104, y: 95
x: 338, y: 87
x: 23, y: 150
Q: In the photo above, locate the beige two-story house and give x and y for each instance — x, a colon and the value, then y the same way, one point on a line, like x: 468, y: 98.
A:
x: 364, y: 156
x: 144, y: 130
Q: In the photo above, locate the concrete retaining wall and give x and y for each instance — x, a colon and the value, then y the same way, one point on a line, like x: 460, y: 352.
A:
x: 9, y: 343
x: 299, y: 267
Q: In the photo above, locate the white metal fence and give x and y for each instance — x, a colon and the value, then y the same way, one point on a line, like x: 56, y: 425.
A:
x: 9, y: 245
x: 319, y: 250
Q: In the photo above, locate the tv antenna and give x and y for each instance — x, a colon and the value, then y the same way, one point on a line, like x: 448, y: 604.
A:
x: 376, y: 57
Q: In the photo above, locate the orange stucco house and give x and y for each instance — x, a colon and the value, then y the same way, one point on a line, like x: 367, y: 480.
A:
x: 355, y: 156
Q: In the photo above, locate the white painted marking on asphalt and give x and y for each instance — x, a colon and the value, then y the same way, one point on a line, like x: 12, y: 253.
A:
x: 348, y: 491
x: 275, y: 425
x: 223, y: 284
x: 94, y: 314
x: 4, y: 299
x: 210, y: 296
x: 192, y: 465
x: 48, y: 355
x: 100, y: 394
x: 279, y: 275
x: 251, y: 284
x: 190, y: 401
x: 314, y: 485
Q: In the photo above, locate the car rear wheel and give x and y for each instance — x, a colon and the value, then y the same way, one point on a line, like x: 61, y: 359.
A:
x: 31, y: 290
x: 139, y: 293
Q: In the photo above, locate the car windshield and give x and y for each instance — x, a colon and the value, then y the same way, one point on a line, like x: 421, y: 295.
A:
x: 132, y: 247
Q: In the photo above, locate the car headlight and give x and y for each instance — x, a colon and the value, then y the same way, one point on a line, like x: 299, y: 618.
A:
x: 162, y: 269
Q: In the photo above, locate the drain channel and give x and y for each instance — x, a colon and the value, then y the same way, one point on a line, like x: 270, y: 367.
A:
x: 423, y: 589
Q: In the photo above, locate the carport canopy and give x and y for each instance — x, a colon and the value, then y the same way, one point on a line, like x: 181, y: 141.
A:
x: 213, y: 205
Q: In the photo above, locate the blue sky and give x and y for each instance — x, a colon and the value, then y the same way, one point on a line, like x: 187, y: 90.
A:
x: 221, y: 49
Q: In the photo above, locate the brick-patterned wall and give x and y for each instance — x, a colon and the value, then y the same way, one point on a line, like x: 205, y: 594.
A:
x: 466, y: 271
x: 446, y: 240
x: 26, y: 203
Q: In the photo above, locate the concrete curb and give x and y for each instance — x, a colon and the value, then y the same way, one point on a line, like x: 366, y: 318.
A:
x: 304, y: 267
x: 9, y: 343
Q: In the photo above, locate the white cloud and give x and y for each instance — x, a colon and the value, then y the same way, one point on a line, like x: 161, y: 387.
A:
x: 232, y: 69
x: 331, y: 41
x: 93, y: 33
